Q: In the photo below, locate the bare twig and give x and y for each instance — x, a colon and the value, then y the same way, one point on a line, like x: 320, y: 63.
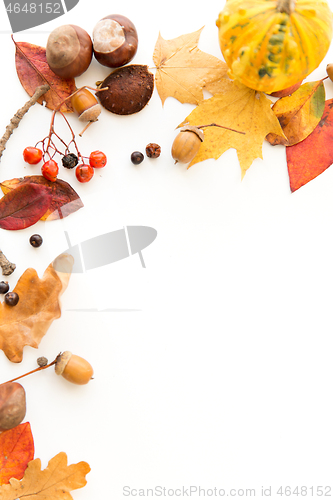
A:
x: 33, y: 371
x: 6, y: 266
x: 15, y: 121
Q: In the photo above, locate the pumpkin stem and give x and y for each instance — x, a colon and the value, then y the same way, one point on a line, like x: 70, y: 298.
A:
x: 286, y: 6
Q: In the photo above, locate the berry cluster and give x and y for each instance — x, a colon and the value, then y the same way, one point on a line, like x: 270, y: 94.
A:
x: 46, y: 149
x: 50, y: 169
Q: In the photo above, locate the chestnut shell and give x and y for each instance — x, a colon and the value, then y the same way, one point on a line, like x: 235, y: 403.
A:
x: 129, y: 89
x: 125, y: 53
x: 69, y: 51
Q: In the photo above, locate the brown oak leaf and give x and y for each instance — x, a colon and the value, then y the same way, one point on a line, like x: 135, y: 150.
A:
x: 240, y: 108
x: 56, y: 481
x: 39, y: 304
x: 182, y: 70
x: 33, y: 70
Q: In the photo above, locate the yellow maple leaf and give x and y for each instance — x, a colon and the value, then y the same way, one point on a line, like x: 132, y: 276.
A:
x: 54, y: 482
x: 182, y: 70
x: 238, y: 107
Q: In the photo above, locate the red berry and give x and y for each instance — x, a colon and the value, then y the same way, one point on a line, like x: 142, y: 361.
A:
x: 97, y: 159
x: 84, y: 172
x: 32, y: 155
x: 50, y: 170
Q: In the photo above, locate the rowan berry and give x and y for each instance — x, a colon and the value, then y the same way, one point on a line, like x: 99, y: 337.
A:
x: 97, y: 159
x: 50, y: 170
x: 32, y: 155
x: 84, y: 172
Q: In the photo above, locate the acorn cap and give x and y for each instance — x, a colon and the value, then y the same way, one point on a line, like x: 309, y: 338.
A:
x: 62, y: 361
x: 192, y: 128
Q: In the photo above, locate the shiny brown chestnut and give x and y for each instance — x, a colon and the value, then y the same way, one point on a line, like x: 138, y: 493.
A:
x: 12, y: 405
x: 69, y: 51
x: 115, y: 41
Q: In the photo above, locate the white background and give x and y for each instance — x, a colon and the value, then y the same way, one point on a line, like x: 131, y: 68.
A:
x: 213, y: 365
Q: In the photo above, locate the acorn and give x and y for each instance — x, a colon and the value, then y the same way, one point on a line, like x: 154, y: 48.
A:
x: 12, y: 405
x: 115, y: 41
x: 86, y: 105
x: 187, y: 144
x: 69, y: 51
x: 73, y: 368
x: 127, y: 89
x: 329, y: 71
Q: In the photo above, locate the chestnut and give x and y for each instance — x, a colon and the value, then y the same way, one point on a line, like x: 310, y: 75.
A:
x: 12, y: 405
x: 115, y: 41
x: 69, y: 51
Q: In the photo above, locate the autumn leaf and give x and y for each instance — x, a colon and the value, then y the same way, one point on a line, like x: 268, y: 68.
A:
x: 64, y: 199
x: 56, y: 481
x: 39, y: 304
x: 33, y: 70
x: 238, y: 107
x: 299, y: 114
x: 309, y: 158
x: 24, y: 206
x: 183, y: 69
x: 16, y: 450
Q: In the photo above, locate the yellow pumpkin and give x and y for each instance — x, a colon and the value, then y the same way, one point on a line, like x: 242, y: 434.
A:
x: 270, y: 45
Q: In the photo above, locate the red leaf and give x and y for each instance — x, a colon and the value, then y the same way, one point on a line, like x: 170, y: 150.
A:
x: 24, y: 206
x: 64, y: 202
x: 311, y: 157
x: 16, y: 450
x: 33, y: 70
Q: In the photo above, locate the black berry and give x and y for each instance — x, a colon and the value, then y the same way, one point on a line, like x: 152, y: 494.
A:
x: 4, y: 287
x: 70, y: 160
x: 137, y: 157
x: 36, y: 240
x: 11, y: 298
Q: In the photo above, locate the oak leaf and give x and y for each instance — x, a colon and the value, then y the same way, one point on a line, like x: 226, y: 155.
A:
x: 299, y: 114
x: 240, y: 108
x: 64, y: 199
x: 311, y: 157
x: 16, y: 451
x: 33, y: 70
x: 182, y: 70
x: 56, y: 481
x: 24, y: 206
x: 39, y: 304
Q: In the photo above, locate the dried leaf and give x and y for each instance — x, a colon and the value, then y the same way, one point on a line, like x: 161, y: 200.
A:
x: 64, y: 200
x: 16, y: 450
x: 39, y: 304
x: 183, y: 69
x: 24, y: 206
x: 240, y: 108
x: 56, y: 481
x: 33, y: 70
x: 309, y: 158
x: 299, y: 114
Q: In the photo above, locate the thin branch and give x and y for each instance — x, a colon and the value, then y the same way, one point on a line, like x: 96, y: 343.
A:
x: 6, y: 266
x: 15, y: 121
x: 33, y: 371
